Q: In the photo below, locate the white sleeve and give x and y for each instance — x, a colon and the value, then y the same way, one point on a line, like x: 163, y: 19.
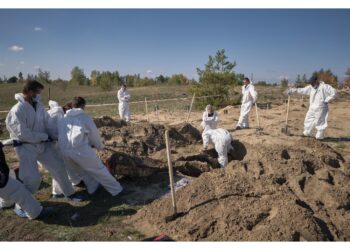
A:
x: 206, y: 139
x: 216, y: 116
x: 94, y: 135
x: 301, y: 91
x: 331, y: 93
x: 16, y: 124
x: 119, y: 96
x: 253, y: 93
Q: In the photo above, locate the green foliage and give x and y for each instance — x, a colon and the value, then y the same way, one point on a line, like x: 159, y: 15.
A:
x: 347, y: 78
x: 261, y: 83
x: 43, y: 76
x: 178, y: 79
x: 217, y: 75
x: 218, y: 70
x: 77, y: 76
x: 106, y: 80
x: 327, y: 76
x: 210, y: 90
x: 284, y: 83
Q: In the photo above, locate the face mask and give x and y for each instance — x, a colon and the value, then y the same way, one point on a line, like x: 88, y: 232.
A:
x: 37, y: 98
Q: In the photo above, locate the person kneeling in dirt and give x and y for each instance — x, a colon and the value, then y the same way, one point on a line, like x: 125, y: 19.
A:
x: 221, y: 139
x: 14, y: 191
x: 210, y: 118
x: 77, y: 136
x: 320, y: 95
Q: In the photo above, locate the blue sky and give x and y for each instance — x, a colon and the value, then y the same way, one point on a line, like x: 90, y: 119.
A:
x: 271, y: 44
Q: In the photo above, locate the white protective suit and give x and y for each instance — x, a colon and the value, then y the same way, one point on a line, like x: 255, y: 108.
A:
x: 317, y: 115
x: 55, y: 115
x: 249, y: 98
x: 123, y: 98
x: 221, y: 139
x: 209, y: 122
x: 77, y: 135
x: 29, y: 126
x: 16, y: 192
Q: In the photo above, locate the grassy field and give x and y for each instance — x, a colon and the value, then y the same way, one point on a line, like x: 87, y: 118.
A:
x: 94, y: 95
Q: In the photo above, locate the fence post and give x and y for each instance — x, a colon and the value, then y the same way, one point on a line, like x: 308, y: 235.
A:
x: 146, y: 109
x: 189, y: 112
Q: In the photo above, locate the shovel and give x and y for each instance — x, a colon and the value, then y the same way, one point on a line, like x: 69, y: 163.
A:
x: 285, y: 130
x: 259, y: 129
x: 175, y: 214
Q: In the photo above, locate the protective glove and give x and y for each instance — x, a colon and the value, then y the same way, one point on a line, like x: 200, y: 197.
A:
x: 289, y: 92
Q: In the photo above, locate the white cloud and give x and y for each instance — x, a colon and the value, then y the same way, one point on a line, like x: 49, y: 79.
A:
x: 150, y: 72
x: 16, y: 48
x: 38, y: 29
x: 21, y: 62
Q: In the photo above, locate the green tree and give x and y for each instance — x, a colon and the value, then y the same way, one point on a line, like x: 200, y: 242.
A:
x: 178, y: 79
x: 43, y: 76
x: 214, y: 79
x: 106, y: 80
x: 304, y: 79
x: 77, y: 76
x: 298, y: 80
x: 347, y: 78
x: 20, y: 76
x: 327, y: 76
x: 218, y: 70
x: 95, y: 78
x: 284, y: 83
x: 161, y: 79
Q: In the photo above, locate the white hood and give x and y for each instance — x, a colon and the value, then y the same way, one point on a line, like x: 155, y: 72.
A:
x: 53, y: 104
x: 74, y: 112
x: 19, y: 97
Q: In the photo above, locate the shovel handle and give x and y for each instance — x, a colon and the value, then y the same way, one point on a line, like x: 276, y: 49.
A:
x: 257, y: 114
x: 171, y: 175
x: 287, y: 110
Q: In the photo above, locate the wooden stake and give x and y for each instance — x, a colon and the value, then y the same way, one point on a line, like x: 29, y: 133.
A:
x: 171, y: 174
x: 189, y: 112
x: 49, y: 93
x: 146, y: 108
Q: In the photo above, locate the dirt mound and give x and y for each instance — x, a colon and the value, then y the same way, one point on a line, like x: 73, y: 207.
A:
x: 106, y: 121
x: 127, y: 165
x: 254, y: 198
x: 145, y: 138
x: 196, y: 164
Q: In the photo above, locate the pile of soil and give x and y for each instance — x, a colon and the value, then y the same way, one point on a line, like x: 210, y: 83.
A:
x: 145, y: 138
x: 106, y: 121
x: 299, y: 192
x: 129, y: 147
x: 123, y: 164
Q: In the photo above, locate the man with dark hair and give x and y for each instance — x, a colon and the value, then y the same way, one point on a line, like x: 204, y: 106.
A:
x: 27, y: 124
x: 249, y: 98
x: 14, y: 191
x: 320, y: 95
x: 77, y: 136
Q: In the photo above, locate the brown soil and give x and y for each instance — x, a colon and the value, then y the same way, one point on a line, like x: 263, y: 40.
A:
x: 300, y: 192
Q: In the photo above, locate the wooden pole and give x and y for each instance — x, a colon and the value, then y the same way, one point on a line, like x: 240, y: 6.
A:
x: 257, y: 115
x: 49, y: 93
x: 189, y: 112
x: 146, y: 108
x: 288, y: 103
x: 171, y: 174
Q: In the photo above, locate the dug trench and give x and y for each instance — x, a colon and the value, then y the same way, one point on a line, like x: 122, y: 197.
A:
x: 267, y: 192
